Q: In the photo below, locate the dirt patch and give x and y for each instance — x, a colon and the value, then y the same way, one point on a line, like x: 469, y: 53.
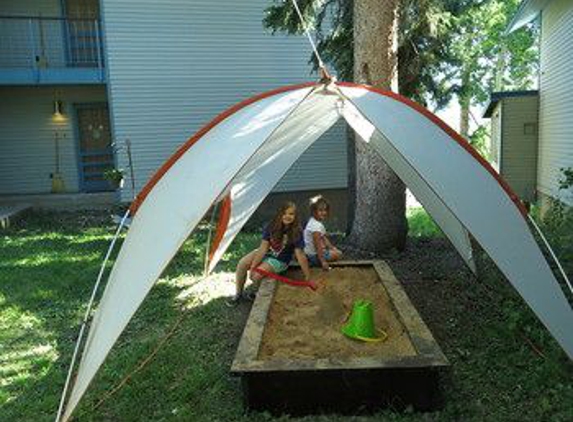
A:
x: 303, y: 324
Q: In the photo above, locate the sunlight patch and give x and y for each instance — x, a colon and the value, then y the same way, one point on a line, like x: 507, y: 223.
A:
x: 19, y: 366
x: 199, y: 290
x: 42, y: 259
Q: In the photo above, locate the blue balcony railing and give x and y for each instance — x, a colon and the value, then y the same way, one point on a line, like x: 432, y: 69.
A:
x: 46, y: 46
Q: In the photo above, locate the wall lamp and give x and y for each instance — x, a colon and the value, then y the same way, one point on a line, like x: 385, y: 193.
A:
x: 58, y: 116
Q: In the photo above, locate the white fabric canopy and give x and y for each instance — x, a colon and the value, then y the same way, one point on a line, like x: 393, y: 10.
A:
x: 171, y: 209
x: 474, y: 195
x: 263, y: 170
x: 449, y: 224
x: 245, y: 151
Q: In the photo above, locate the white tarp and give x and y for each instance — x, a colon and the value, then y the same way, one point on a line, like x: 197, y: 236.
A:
x: 477, y: 200
x: 262, y: 172
x: 431, y: 202
x: 246, y: 195
x: 247, y: 150
x: 171, y: 210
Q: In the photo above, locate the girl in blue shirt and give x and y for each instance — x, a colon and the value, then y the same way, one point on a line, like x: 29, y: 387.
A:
x: 282, y: 239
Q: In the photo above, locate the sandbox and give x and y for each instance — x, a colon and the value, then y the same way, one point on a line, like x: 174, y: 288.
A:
x: 292, y: 357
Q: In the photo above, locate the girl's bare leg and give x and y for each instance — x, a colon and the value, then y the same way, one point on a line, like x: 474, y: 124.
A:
x: 256, y: 277
x: 241, y: 272
x: 335, y: 254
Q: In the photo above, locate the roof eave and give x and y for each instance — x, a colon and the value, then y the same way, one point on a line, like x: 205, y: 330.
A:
x: 497, y: 96
x: 528, y: 10
x: 490, y: 107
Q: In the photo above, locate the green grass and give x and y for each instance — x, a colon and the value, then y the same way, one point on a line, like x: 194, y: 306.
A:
x: 47, y: 270
x: 421, y: 225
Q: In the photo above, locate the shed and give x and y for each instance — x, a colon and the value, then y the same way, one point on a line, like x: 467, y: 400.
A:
x: 514, y: 139
x: 555, y: 149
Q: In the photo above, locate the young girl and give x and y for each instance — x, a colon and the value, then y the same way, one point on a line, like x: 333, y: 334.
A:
x: 318, y: 247
x: 282, y: 239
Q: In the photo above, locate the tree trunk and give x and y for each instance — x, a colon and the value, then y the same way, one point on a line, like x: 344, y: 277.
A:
x: 380, y: 215
x: 351, y: 190
x: 464, y: 102
x: 464, y: 118
x: 500, y: 65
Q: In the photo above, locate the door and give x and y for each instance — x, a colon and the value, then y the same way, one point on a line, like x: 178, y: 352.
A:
x: 95, y: 150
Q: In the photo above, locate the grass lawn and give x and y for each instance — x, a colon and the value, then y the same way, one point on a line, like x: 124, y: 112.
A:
x: 505, y: 366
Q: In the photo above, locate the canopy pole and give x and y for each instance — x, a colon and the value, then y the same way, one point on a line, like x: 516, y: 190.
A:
x: 87, y: 315
x: 325, y: 75
x: 546, y: 242
x: 209, y: 235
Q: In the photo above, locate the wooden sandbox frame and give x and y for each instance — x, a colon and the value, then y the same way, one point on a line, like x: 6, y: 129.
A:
x: 345, y: 386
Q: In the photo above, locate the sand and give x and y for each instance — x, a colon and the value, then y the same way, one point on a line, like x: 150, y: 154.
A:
x: 305, y: 324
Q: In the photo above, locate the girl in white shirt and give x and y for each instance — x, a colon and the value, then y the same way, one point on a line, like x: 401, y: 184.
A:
x: 317, y: 246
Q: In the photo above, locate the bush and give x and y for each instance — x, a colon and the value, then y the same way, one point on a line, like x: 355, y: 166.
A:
x: 113, y: 176
x: 557, y: 224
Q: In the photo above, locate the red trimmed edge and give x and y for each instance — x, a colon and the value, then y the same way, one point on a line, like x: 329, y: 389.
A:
x: 198, y: 135
x: 451, y: 132
x: 224, y: 217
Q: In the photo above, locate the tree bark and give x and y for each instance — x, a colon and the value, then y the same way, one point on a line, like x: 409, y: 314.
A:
x: 380, y: 203
x: 351, y: 190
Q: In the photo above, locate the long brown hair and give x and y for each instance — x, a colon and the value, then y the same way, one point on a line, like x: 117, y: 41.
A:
x: 277, y: 228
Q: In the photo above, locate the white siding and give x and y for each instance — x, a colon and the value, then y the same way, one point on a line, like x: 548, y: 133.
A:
x: 519, y: 146
x: 16, y: 47
x: 174, y: 65
x: 27, y: 146
x: 556, y: 96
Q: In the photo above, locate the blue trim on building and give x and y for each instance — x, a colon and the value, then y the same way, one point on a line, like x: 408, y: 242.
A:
x: 64, y: 76
x: 76, y: 129
x: 106, y: 73
x: 76, y: 41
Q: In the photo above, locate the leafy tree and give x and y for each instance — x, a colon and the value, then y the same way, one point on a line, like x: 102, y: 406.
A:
x: 446, y: 48
x: 422, y: 39
x: 480, y: 139
x: 484, y: 59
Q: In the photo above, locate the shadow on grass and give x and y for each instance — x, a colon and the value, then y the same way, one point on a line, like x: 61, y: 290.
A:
x: 187, y: 380
x: 47, y: 274
x: 38, y: 400
x: 45, y: 283
x: 505, y: 364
